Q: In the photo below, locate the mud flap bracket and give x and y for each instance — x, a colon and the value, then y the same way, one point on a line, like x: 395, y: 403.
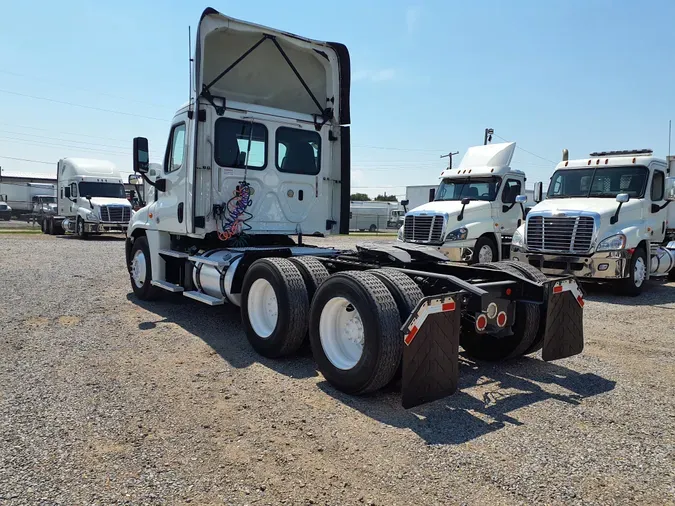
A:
x: 431, y: 350
x: 564, y: 334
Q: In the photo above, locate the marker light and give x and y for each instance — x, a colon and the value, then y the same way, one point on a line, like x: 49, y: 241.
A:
x: 492, y: 310
x: 501, y: 319
x: 481, y: 322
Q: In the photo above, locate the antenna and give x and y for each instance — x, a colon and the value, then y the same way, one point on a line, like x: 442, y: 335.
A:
x: 489, y: 132
x: 449, y: 156
x: 670, y: 134
x: 190, y: 65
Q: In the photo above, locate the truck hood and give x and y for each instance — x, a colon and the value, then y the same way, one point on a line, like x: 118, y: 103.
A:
x: 105, y: 201
x: 601, y: 206
x: 449, y: 207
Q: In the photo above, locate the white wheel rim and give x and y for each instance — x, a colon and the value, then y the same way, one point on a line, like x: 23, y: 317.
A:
x: 80, y: 227
x: 640, y: 272
x: 341, y: 332
x: 263, y: 308
x: 138, y: 269
x: 485, y: 254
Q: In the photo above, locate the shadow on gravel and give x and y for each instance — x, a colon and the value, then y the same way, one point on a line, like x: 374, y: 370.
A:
x: 93, y: 238
x: 503, y: 388
x: 655, y: 294
x: 220, y: 328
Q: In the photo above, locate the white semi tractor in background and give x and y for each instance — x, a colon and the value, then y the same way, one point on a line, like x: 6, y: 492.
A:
x: 608, y: 217
x: 260, y: 158
x: 91, y: 199
x: 475, y: 210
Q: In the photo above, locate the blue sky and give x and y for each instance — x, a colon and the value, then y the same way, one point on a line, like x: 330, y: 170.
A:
x: 428, y: 77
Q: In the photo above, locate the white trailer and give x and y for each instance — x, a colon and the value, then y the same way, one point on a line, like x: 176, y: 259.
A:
x: 374, y: 215
x: 23, y: 197
x: 607, y: 218
x: 260, y: 157
x: 91, y: 199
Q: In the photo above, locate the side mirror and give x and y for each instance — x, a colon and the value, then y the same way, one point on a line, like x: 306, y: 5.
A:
x: 135, y: 180
x: 521, y: 199
x: 404, y: 203
x: 622, y: 198
x: 160, y: 185
x: 538, y: 191
x: 465, y: 201
x: 432, y: 194
x: 141, y: 155
x: 670, y: 189
x: 88, y: 197
x: 66, y: 192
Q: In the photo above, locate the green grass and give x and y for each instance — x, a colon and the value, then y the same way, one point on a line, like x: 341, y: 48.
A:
x: 20, y: 231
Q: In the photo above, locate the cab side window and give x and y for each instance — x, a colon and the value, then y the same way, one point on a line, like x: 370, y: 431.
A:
x: 176, y: 150
x: 512, y: 189
x: 658, y: 185
x: 73, y: 190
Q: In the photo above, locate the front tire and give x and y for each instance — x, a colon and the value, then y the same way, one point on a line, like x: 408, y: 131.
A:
x: 140, y: 270
x: 274, y: 307
x: 484, y: 252
x: 80, y: 228
x: 637, y: 274
x: 354, y: 332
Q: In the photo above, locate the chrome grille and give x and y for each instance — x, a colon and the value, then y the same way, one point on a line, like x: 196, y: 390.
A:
x: 423, y: 228
x: 116, y: 214
x: 572, y: 234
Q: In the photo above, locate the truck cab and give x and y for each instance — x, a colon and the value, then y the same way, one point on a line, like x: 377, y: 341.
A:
x: 476, y: 208
x: 91, y: 197
x: 606, y: 218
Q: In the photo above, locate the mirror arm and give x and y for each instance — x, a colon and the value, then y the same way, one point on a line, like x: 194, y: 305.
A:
x: 460, y: 216
x: 656, y: 208
x: 615, y: 218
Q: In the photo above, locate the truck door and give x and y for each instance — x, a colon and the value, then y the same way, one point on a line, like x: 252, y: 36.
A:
x: 170, y: 211
x: 657, y: 214
x: 510, y: 214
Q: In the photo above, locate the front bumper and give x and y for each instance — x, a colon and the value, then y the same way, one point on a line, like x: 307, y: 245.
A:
x: 458, y: 251
x: 603, y: 265
x: 99, y: 227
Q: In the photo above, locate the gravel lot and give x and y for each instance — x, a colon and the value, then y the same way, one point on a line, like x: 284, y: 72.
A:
x: 106, y: 400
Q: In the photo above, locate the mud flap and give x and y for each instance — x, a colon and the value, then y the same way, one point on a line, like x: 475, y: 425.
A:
x: 564, y: 334
x: 431, y: 351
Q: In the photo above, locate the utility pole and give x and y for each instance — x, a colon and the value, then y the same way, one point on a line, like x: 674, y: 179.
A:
x: 449, y: 156
x: 488, y: 135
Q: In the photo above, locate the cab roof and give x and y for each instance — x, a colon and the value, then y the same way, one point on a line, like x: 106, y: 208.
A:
x: 488, y: 160
x: 643, y: 157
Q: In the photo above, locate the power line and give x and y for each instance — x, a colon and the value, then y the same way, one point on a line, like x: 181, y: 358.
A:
x: 87, y: 90
x: 25, y: 160
x: 526, y: 151
x: 398, y: 149
x: 29, y: 142
x: 73, y: 104
x: 66, y: 133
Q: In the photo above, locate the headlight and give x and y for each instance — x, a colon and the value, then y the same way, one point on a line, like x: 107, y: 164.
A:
x: 612, y: 243
x: 457, y: 234
x: 92, y: 215
x: 517, y: 239
x: 400, y: 234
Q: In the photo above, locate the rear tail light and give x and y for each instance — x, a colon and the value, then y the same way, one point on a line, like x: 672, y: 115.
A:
x: 481, y: 322
x: 501, y: 319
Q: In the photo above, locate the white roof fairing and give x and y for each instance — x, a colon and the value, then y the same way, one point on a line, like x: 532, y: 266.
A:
x: 90, y: 167
x: 263, y: 76
x: 488, y: 160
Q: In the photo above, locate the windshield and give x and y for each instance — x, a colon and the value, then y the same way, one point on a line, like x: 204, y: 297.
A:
x: 476, y: 188
x: 599, y: 182
x: 110, y: 190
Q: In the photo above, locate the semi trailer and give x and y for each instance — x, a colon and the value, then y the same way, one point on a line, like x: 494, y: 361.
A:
x: 607, y: 218
x: 22, y: 197
x: 259, y: 159
x: 475, y: 210
x: 91, y: 199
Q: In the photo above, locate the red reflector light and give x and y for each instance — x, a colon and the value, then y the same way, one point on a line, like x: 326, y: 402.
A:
x: 557, y: 289
x: 501, y: 319
x: 481, y: 322
x: 448, y: 306
x: 508, y: 291
x: 411, y: 335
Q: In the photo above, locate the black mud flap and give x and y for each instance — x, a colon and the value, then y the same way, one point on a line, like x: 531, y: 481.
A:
x: 564, y: 334
x: 431, y: 351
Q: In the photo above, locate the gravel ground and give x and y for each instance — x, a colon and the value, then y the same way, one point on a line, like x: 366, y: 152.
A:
x: 106, y: 400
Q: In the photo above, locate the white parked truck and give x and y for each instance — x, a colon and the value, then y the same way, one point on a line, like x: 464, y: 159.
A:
x: 374, y: 215
x: 475, y: 210
x: 260, y: 158
x: 608, y: 217
x: 91, y: 199
x: 23, y: 197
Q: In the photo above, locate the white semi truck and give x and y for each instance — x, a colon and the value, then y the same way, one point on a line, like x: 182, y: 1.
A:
x: 374, y: 215
x: 23, y: 197
x: 91, y: 199
x: 475, y: 210
x: 607, y: 218
x: 260, y: 158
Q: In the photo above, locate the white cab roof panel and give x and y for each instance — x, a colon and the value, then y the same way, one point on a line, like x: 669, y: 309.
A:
x: 489, y: 160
